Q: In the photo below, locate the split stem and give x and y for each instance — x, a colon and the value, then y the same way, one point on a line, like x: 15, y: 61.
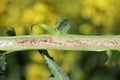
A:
x: 60, y: 42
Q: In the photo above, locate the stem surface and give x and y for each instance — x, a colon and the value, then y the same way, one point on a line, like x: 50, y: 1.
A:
x: 60, y: 42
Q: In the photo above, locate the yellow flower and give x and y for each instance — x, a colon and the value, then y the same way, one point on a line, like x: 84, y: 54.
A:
x: 36, y: 72
x: 35, y: 13
x: 85, y: 29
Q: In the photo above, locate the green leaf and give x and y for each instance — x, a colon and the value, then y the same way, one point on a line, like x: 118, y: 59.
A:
x: 3, y: 62
x: 46, y: 27
x: 56, y: 72
x: 109, y: 56
x: 10, y: 32
x: 62, y: 26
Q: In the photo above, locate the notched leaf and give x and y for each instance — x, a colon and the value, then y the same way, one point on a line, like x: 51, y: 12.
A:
x: 62, y: 25
x: 2, y: 61
x: 56, y: 71
x: 10, y: 32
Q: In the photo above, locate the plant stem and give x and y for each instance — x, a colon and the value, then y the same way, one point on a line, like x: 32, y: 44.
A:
x: 60, y: 42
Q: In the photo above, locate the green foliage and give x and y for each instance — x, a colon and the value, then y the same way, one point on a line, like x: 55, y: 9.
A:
x: 56, y: 72
x: 3, y: 61
x: 61, y: 27
x: 10, y: 32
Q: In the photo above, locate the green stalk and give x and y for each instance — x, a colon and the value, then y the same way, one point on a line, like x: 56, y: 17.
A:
x: 60, y: 42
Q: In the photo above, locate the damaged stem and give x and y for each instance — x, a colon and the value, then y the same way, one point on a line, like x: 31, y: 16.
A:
x: 60, y: 42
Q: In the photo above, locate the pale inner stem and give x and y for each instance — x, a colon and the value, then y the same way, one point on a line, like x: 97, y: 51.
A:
x: 73, y: 43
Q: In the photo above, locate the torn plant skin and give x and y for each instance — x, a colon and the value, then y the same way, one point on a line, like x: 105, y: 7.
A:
x: 61, y: 42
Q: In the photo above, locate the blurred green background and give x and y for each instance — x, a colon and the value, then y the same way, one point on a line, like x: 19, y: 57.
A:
x: 87, y: 17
